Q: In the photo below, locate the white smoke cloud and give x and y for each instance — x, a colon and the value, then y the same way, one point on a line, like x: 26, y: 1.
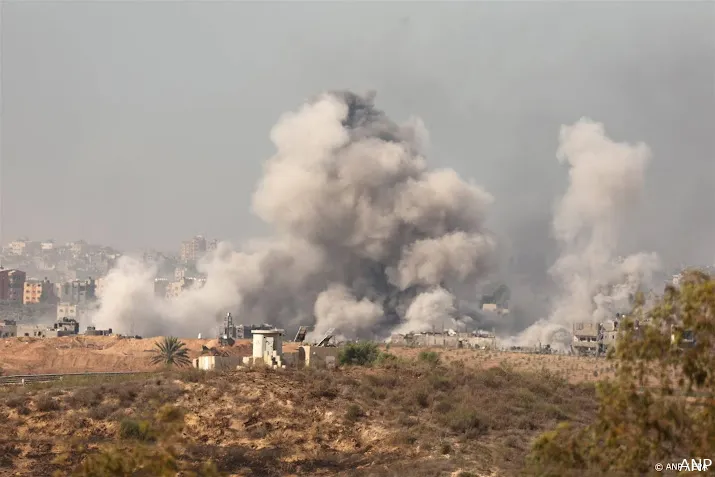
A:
x: 606, y: 181
x: 338, y: 305
x: 430, y: 310
x: 367, y: 238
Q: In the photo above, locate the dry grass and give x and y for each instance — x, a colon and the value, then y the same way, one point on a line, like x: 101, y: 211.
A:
x: 414, y: 418
x: 575, y: 369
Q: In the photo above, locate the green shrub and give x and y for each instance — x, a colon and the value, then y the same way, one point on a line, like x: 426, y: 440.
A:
x: 467, y: 422
x: 430, y: 357
x: 353, y: 413
x: 359, y: 354
x: 139, y: 430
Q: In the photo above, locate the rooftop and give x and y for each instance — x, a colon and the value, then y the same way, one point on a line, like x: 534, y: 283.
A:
x: 274, y: 331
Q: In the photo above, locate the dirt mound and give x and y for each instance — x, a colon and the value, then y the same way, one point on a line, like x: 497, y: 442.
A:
x: 76, y: 354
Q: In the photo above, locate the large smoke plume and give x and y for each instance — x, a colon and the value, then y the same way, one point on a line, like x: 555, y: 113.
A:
x: 367, y: 240
x: 606, y: 180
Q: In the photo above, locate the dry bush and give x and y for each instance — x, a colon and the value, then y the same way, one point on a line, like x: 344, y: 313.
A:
x: 86, y: 397
x: 658, y: 407
x: 45, y: 403
x: 16, y: 401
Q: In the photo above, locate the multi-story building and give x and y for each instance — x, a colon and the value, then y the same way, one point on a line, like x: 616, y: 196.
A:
x: 73, y: 311
x: 24, y: 247
x: 38, y: 291
x: 174, y: 289
x: 192, y: 250
x: 12, y: 285
x: 8, y: 328
x: 77, y: 291
x: 179, y: 273
x: 17, y: 247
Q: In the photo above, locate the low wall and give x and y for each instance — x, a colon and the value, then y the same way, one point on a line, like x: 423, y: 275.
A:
x: 208, y: 363
x: 445, y: 341
x: 318, y: 356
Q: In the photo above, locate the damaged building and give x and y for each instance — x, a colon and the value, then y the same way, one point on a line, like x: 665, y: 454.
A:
x: 92, y: 331
x: 448, y: 339
x: 8, y: 329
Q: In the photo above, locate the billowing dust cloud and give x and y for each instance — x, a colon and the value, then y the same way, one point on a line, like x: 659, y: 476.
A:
x: 606, y: 179
x: 367, y: 239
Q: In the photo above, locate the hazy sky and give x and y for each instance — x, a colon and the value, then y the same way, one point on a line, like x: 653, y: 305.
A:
x: 140, y: 124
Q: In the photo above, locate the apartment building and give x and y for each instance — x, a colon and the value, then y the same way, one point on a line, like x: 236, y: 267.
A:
x: 12, y: 285
x: 38, y: 291
x: 78, y: 312
x: 193, y: 249
x: 77, y: 291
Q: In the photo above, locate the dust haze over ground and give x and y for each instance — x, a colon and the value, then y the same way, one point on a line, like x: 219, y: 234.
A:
x: 368, y: 238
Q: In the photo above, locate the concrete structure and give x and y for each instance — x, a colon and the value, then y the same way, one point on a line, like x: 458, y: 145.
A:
x: 180, y: 272
x: 33, y: 331
x: 267, y: 349
x: 23, y: 247
x: 216, y: 363
x: 92, y: 331
x: 8, y: 328
x: 477, y: 340
x: 69, y: 310
x: 38, y: 291
x: 318, y: 356
x: 77, y: 292
x: 586, y: 338
x: 66, y: 326
x: 246, y: 331
x: 174, y: 289
x: 193, y: 249
x: 12, y: 285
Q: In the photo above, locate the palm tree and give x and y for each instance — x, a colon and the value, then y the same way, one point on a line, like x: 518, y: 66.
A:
x: 171, y: 352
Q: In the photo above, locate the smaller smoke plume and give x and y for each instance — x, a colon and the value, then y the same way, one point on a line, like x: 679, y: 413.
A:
x: 605, y: 184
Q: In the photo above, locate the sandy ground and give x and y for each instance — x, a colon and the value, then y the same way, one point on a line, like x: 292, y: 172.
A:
x: 108, y: 353
x: 78, y: 354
